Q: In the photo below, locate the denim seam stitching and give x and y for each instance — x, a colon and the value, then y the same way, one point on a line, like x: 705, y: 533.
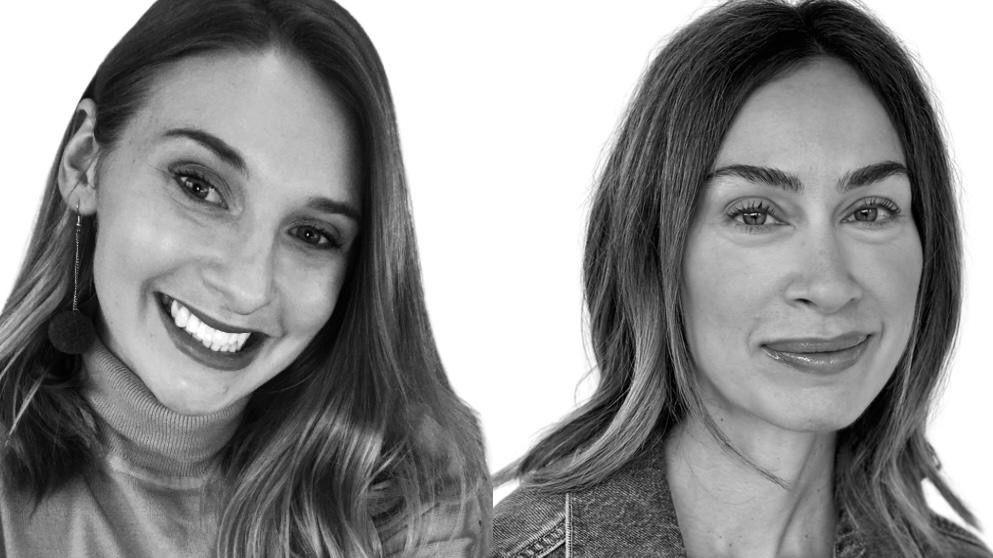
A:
x: 543, y: 543
x: 568, y: 525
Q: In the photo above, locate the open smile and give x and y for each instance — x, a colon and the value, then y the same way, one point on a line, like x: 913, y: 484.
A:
x: 819, y: 356
x: 208, y: 341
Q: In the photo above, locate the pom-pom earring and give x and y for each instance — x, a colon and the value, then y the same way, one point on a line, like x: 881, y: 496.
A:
x: 71, y: 331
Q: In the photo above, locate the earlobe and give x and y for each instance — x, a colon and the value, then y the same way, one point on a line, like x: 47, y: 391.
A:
x: 77, y: 168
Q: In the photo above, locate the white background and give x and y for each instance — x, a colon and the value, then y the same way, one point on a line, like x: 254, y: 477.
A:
x: 505, y: 109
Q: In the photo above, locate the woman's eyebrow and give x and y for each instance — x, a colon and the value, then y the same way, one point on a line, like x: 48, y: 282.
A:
x: 870, y: 174
x: 863, y: 176
x: 761, y: 175
x: 212, y: 143
x: 328, y: 205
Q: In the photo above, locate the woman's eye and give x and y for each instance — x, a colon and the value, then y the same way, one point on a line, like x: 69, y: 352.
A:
x: 754, y: 215
x: 866, y: 214
x: 198, y: 188
x: 874, y: 211
x: 754, y: 218
x: 315, y: 237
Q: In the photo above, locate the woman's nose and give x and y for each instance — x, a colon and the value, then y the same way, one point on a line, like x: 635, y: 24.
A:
x: 242, y: 274
x: 823, y: 277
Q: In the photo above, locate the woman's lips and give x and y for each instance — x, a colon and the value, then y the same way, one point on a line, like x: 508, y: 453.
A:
x: 194, y: 349
x: 216, y: 324
x: 819, y: 355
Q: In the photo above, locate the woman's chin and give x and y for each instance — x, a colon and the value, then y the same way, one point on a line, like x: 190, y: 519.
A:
x: 195, y: 400
x: 822, y: 417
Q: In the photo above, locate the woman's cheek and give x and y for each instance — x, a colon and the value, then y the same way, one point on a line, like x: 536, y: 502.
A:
x: 718, y: 285
x: 311, y: 295
x: 897, y: 283
x: 891, y: 271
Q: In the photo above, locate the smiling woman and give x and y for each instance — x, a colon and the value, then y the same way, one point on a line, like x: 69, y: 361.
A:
x: 826, y: 259
x: 209, y: 235
x: 772, y: 273
x: 228, y: 207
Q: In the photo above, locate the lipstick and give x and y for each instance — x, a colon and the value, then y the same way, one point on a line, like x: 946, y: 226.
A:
x: 815, y: 355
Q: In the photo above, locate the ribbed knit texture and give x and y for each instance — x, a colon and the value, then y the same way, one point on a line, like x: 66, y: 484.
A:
x: 148, y: 434
x: 149, y: 494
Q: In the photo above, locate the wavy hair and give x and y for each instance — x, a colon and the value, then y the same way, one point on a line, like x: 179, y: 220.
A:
x: 642, y: 209
x: 362, y: 434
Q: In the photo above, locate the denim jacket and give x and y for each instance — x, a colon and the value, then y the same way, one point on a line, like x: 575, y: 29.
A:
x: 631, y: 515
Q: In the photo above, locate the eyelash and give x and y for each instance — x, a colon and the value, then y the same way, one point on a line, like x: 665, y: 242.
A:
x: 876, y: 203
x: 759, y: 206
x: 748, y: 207
x: 183, y: 177
x: 332, y: 241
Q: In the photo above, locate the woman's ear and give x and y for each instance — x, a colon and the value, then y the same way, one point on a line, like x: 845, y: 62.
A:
x: 77, y: 169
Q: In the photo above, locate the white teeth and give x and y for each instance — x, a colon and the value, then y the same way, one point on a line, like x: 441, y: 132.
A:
x: 201, y: 332
x: 209, y: 337
x: 220, y: 339
x: 182, y: 317
x: 206, y: 334
x: 192, y: 323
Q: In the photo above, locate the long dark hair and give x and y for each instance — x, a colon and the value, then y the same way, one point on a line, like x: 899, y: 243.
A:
x: 362, y: 433
x: 641, y: 215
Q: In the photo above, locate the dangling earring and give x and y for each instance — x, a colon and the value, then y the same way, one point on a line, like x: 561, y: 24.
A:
x: 71, y: 331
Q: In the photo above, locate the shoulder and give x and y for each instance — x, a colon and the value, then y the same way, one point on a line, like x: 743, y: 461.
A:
x: 448, y: 529
x: 27, y: 522
x: 627, y: 513
x: 963, y: 542
x: 529, y: 522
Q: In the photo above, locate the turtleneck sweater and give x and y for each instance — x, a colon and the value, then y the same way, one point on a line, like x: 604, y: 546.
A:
x: 149, y: 493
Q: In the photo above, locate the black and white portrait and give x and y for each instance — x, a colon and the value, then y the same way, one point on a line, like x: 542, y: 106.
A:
x: 440, y: 278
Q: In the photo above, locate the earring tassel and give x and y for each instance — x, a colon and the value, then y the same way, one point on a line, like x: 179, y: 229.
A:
x: 71, y: 332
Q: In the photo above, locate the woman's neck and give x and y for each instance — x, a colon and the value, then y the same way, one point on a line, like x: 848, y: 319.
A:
x: 728, y: 508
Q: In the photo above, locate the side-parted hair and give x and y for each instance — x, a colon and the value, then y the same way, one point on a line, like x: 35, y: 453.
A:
x: 648, y: 193
x: 362, y: 434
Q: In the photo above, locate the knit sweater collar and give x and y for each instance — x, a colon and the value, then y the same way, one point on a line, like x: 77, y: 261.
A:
x: 143, y: 434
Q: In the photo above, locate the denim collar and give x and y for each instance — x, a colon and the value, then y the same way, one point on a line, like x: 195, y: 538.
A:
x: 633, y: 511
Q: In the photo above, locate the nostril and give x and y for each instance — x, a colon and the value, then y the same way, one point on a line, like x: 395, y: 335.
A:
x: 243, y: 288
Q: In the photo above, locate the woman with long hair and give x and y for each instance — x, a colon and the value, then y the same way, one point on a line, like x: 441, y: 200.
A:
x: 217, y: 343
x: 772, y: 276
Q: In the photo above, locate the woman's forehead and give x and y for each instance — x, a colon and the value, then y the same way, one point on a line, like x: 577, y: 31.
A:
x: 818, y: 119
x: 276, y: 120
